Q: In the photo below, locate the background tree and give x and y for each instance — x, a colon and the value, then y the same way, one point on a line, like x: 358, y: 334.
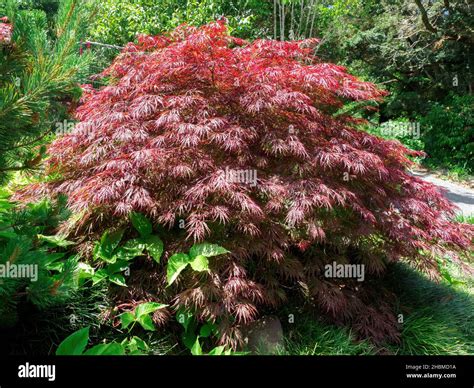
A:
x: 119, y: 22
x: 419, y: 51
x: 40, y: 69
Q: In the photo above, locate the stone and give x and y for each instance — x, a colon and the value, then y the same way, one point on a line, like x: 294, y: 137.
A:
x: 265, y: 336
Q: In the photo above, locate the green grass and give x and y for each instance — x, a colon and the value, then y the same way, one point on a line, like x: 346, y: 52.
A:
x: 465, y: 219
x: 311, y: 337
x: 438, y: 318
x: 451, y: 172
x: 426, y: 332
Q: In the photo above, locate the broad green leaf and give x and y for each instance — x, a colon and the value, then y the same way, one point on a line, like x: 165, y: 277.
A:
x: 136, y: 352
x: 109, y: 241
x: 207, y: 329
x: 200, y: 263
x: 114, y: 349
x: 217, y: 351
x: 154, y: 246
x: 147, y: 308
x: 196, y: 350
x: 96, y: 350
x: 206, y: 249
x: 140, y: 343
x: 185, y: 318
x: 130, y: 250
x: 119, y: 266
x: 59, y: 241
x: 141, y: 223
x: 135, y: 345
x: 176, y: 264
x: 84, y: 271
x: 126, y: 319
x: 74, y: 344
x: 146, y: 322
x: 100, y: 275
x: 189, y: 339
x: 118, y: 279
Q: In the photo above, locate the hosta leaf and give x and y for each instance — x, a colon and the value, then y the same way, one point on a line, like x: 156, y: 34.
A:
x: 53, y: 263
x: 147, y: 308
x: 176, y: 264
x: 141, y: 223
x: 74, y: 344
x: 208, y: 250
x: 200, y: 263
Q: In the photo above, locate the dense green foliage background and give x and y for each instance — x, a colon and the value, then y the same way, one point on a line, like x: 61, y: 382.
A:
x: 419, y: 51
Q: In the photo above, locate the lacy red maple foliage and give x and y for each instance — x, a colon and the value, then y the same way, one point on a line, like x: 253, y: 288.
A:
x: 241, y: 141
x: 6, y: 30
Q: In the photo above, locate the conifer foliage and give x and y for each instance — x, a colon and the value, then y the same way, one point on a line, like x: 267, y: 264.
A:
x: 189, y: 116
x: 39, y: 70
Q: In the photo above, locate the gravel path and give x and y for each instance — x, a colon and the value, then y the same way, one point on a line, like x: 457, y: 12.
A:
x: 461, y: 196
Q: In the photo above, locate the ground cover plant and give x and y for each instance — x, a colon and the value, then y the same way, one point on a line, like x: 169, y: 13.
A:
x: 240, y: 146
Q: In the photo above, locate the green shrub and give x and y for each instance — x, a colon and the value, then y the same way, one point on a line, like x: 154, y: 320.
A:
x: 447, y: 132
x: 315, y: 338
x: 34, y: 267
x: 402, y: 129
x: 118, y: 22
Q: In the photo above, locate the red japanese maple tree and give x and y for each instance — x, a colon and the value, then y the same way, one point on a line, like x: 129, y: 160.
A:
x: 184, y: 109
x: 6, y: 30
